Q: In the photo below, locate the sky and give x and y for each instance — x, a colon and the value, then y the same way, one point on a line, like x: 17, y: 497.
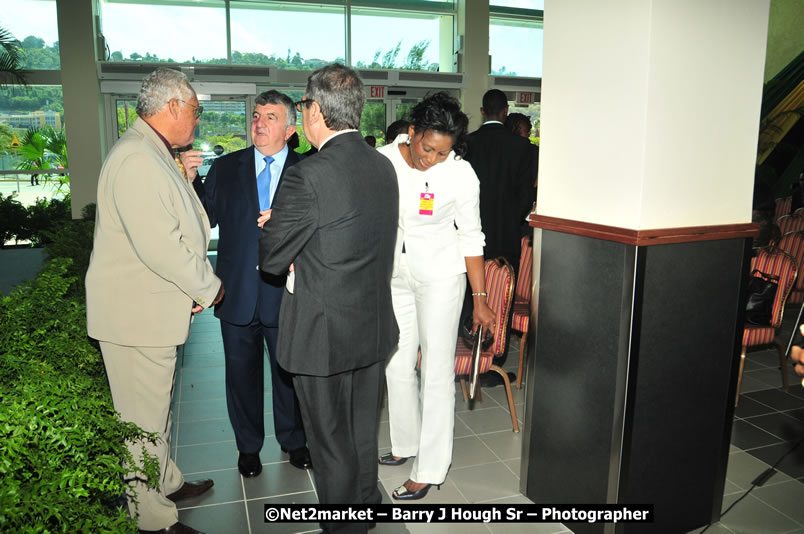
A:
x: 312, y: 35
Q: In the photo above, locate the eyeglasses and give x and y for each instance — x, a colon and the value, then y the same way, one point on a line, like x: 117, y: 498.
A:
x: 304, y: 102
x: 197, y: 110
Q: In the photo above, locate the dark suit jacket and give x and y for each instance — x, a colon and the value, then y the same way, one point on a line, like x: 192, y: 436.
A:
x: 230, y: 197
x: 335, y: 218
x: 506, y: 168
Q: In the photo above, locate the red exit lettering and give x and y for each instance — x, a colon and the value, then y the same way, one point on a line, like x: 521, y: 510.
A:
x: 525, y: 98
x: 377, y: 91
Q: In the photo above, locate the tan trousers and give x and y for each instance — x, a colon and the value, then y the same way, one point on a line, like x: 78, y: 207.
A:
x: 141, y: 380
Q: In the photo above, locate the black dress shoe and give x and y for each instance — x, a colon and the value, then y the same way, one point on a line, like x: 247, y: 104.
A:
x: 191, y: 489
x: 249, y: 464
x: 300, y: 457
x: 390, y: 459
x: 177, y: 528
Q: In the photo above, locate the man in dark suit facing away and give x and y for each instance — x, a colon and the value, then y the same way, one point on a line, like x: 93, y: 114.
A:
x: 237, y: 195
x: 505, y: 167
x: 335, y: 221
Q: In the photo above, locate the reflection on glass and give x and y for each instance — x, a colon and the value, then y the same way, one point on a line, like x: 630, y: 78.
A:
x: 34, y: 24
x: 383, y: 39
x: 287, y: 36
x: 173, y: 33
x: 223, y: 123
x: 516, y: 48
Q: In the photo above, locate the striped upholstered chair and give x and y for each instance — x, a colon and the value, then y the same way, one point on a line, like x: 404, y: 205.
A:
x: 781, y: 265
x: 790, y: 223
x: 793, y: 244
x: 521, y: 313
x: 783, y: 206
x: 500, y: 287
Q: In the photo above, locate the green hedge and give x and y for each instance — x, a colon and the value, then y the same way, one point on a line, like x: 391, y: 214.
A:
x: 63, y: 445
x: 32, y: 223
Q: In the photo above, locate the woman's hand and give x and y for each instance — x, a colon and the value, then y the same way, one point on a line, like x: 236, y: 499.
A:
x: 483, y: 315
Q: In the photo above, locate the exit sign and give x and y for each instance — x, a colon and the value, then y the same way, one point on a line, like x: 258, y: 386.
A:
x: 377, y: 91
x: 526, y: 98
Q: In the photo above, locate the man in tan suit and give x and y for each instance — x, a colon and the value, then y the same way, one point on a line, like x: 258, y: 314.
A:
x: 148, y: 272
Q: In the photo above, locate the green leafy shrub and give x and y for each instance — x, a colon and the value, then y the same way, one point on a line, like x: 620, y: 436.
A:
x: 73, y: 239
x: 13, y: 219
x: 63, y: 446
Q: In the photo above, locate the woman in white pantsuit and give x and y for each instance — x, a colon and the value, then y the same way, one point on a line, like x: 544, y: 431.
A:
x: 438, y: 240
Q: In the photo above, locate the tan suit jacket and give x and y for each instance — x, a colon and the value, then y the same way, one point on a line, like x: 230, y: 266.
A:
x: 149, y: 261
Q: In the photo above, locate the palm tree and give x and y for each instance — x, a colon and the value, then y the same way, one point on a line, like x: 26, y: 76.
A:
x: 11, y: 71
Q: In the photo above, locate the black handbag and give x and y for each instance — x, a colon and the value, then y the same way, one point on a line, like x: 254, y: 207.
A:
x: 762, y: 290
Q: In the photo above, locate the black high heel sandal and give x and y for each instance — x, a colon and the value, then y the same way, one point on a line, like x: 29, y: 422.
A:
x: 404, y: 494
x: 389, y: 459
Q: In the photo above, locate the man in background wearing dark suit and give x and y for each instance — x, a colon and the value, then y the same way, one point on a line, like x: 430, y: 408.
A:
x: 237, y: 195
x: 505, y: 167
x: 335, y: 221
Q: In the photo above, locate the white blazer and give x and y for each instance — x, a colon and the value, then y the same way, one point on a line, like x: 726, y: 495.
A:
x: 436, y: 243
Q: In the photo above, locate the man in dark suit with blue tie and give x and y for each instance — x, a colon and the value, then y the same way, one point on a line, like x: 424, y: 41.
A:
x: 335, y: 220
x: 237, y: 195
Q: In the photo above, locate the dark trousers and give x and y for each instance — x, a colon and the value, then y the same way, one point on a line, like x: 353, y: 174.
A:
x: 244, y: 353
x: 341, y: 415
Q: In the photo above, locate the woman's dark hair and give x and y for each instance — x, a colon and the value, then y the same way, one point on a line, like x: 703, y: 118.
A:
x: 442, y: 113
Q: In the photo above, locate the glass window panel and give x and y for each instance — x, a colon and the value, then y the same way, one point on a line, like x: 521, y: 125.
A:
x: 520, y: 4
x: 38, y: 107
x: 516, y: 48
x: 383, y: 39
x: 165, y: 31
x: 288, y: 36
x: 223, y: 123
x: 35, y: 24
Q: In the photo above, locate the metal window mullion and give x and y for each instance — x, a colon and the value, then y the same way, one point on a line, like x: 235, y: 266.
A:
x: 347, y: 14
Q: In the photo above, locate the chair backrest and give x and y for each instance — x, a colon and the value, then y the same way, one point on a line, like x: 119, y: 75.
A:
x: 524, y: 280
x: 783, y: 206
x: 500, y: 287
x: 793, y: 244
x: 790, y: 223
x: 777, y: 263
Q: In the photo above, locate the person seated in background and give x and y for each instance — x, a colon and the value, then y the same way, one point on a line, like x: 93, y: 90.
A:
x: 394, y: 129
x: 371, y: 140
x: 519, y: 123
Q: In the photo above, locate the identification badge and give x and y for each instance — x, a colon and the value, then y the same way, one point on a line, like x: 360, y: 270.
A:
x: 426, y: 204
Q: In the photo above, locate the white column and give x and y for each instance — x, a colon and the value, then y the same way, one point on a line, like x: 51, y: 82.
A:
x: 473, y: 26
x: 650, y: 111
x: 83, y: 105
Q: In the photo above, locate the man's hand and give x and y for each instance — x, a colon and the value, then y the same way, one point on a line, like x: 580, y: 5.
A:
x: 265, y: 215
x: 191, y: 160
x: 197, y: 308
x: 220, y: 295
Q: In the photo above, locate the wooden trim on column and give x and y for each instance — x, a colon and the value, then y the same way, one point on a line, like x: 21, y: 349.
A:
x: 660, y: 236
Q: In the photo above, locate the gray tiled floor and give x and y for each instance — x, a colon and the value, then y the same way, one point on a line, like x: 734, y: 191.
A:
x: 486, y: 458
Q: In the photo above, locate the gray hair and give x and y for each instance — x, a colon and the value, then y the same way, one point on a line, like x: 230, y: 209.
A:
x: 339, y: 92
x: 277, y: 98
x: 159, y: 87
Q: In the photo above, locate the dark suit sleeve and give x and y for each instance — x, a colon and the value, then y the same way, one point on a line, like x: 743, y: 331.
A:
x: 294, y: 220
x: 206, y: 190
x: 526, y: 177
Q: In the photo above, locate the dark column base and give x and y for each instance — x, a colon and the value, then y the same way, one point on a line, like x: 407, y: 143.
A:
x: 632, y: 376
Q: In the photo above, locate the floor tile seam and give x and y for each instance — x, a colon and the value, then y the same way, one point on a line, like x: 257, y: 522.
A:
x: 765, y: 403
x: 208, y: 443
x: 469, y: 466
x: 209, y: 471
x: 772, y: 507
x: 490, y: 449
x: 800, y: 525
x: 769, y: 432
x: 209, y: 505
x: 511, y: 470
x: 247, y: 499
x: 494, y: 500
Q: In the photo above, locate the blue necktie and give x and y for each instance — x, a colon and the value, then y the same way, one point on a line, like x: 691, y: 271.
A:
x: 264, y: 184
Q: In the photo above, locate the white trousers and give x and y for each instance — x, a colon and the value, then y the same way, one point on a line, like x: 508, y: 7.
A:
x: 141, y: 380
x: 422, y: 424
